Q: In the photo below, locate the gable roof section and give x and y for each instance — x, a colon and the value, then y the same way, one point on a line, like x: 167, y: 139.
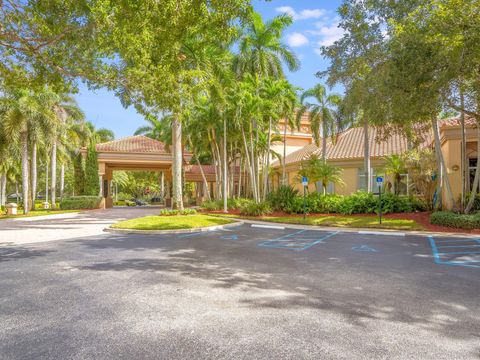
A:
x: 133, y: 144
x: 349, y: 146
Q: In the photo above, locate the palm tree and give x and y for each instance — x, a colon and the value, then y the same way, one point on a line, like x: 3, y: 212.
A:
x: 322, y: 114
x: 274, y: 105
x: 261, y: 51
x: 21, y: 110
x: 317, y: 170
x: 64, y: 108
x: 395, y: 166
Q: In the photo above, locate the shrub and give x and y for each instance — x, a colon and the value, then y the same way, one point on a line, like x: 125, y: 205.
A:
x: 282, y: 198
x: 92, y: 184
x: 360, y: 202
x: 215, y: 205
x: 450, y: 219
x: 169, y: 212
x: 130, y: 203
x: 211, y: 205
x: 252, y: 208
x: 80, y: 202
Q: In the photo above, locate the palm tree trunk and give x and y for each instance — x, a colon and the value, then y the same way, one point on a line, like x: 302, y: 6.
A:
x: 267, y: 166
x: 239, y: 189
x: 34, y: 174
x: 62, y: 180
x: 53, y: 168
x: 254, y: 168
x: 366, y: 142
x: 463, y: 151
x: 324, y: 143
x: 284, y: 164
x: 16, y: 192
x: 476, y: 180
x: 225, y: 193
x: 249, y: 165
x: 441, y: 161
x: 162, y: 185
x: 3, y: 189
x: 177, y: 200
x: 25, y: 180
x: 205, y: 182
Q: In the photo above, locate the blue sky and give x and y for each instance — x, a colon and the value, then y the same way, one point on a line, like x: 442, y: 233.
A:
x: 315, y: 24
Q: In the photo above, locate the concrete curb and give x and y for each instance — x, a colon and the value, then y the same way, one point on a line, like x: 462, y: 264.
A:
x: 236, y: 222
x: 376, y: 231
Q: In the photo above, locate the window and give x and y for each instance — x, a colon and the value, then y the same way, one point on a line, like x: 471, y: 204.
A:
x: 472, y: 167
x: 330, y: 187
x: 362, y: 181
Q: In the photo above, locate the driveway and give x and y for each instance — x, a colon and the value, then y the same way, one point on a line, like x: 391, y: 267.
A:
x: 241, y: 293
x: 66, y: 226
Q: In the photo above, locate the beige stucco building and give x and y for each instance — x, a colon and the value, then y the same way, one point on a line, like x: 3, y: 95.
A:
x: 346, y: 152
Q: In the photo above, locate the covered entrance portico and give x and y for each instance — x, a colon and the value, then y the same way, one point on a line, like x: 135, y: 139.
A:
x: 140, y: 153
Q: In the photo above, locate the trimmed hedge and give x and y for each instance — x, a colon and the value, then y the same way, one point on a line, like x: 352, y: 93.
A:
x: 358, y: 203
x: 252, y: 208
x: 460, y: 221
x: 80, y: 202
x: 169, y: 212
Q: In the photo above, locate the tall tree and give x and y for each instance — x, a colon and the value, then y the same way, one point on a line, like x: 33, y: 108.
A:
x: 92, y: 181
x: 322, y: 114
x: 261, y: 51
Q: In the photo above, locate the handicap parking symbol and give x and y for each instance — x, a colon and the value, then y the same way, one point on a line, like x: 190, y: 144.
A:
x: 364, y: 248
x: 229, y: 237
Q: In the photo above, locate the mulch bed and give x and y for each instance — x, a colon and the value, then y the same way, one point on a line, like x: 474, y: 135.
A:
x: 422, y: 218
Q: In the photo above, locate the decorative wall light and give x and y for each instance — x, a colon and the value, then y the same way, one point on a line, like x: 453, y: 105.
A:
x: 455, y: 167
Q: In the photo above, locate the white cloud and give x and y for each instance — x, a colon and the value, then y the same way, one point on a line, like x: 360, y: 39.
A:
x: 329, y: 34
x: 296, y: 39
x: 302, y: 14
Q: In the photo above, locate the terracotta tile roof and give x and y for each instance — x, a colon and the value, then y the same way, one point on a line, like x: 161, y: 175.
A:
x: 207, y: 169
x: 455, y: 121
x: 133, y: 144
x: 349, y: 145
x: 298, y: 155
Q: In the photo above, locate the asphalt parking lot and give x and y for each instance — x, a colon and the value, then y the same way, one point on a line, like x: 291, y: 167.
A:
x: 241, y: 293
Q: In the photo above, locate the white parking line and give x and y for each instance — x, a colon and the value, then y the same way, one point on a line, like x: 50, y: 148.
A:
x: 268, y: 227
x: 381, y: 233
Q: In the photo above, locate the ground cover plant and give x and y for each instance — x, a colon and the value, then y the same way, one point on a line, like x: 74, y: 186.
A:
x: 178, y: 222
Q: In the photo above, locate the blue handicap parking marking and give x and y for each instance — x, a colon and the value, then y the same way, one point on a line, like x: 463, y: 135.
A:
x: 299, y: 240
x: 457, y: 252
x: 364, y: 248
x: 229, y: 237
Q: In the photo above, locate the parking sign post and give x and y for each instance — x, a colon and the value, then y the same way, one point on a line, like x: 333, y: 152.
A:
x: 379, y: 184
x: 305, y: 184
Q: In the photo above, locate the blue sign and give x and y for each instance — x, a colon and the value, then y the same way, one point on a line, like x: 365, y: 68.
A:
x: 379, y: 179
x: 304, y: 181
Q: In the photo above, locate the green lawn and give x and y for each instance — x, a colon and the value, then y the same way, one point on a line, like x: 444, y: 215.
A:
x: 347, y: 221
x: 177, y: 222
x: 37, y: 213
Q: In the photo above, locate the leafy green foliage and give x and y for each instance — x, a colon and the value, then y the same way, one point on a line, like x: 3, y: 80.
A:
x: 79, y: 175
x: 216, y: 205
x: 450, y: 219
x: 357, y: 203
x: 92, y: 184
x: 316, y: 169
x: 174, y: 212
x: 80, y: 202
x: 282, y: 198
x: 253, y: 208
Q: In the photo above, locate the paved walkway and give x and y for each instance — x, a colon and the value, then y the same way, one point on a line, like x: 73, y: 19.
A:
x: 66, y: 226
